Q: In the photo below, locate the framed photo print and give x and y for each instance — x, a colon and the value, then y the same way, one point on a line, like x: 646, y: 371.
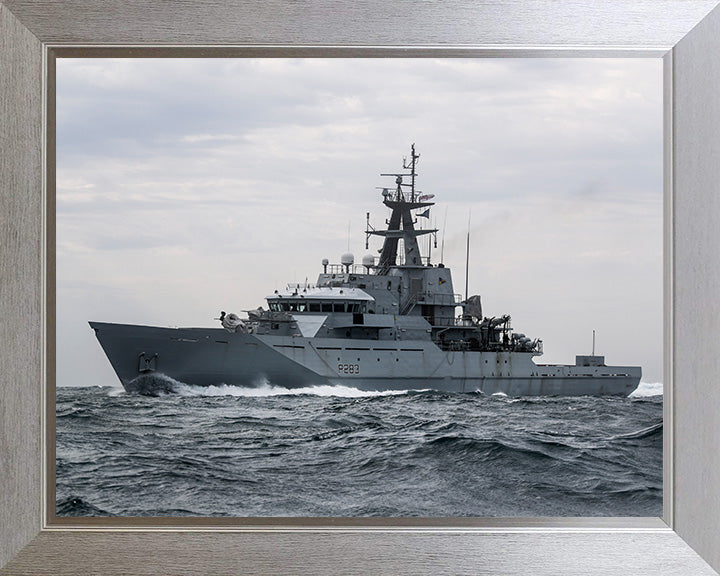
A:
x: 47, y: 214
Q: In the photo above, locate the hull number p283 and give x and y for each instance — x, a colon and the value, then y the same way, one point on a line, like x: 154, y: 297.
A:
x: 349, y: 368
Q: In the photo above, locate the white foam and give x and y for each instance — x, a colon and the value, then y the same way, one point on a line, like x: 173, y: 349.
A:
x: 267, y: 389
x: 648, y: 389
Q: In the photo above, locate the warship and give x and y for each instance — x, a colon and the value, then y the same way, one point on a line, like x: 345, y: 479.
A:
x: 393, y: 322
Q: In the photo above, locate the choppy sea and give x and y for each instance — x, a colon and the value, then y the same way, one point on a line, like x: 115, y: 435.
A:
x: 335, y: 451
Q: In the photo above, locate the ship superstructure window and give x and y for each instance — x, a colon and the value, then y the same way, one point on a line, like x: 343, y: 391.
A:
x: 353, y: 306
x: 327, y: 299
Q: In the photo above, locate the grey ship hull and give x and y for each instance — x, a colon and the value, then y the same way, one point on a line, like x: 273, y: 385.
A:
x: 149, y: 359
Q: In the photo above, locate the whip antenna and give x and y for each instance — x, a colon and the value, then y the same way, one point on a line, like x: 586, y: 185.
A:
x: 442, y: 243
x: 467, y: 256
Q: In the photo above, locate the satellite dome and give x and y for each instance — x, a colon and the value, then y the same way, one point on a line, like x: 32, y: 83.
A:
x: 347, y: 259
x: 368, y: 260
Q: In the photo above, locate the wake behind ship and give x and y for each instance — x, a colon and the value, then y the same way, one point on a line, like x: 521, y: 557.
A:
x: 390, y: 323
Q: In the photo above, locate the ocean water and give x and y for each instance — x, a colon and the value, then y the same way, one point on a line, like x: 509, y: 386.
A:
x: 335, y: 451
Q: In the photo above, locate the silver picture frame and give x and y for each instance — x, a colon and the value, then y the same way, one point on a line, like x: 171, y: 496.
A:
x: 684, y: 33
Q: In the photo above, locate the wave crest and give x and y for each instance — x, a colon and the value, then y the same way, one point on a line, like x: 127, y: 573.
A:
x: 268, y: 389
x: 646, y: 389
x: 161, y: 385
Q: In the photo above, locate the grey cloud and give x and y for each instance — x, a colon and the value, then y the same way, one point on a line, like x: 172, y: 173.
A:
x: 252, y: 170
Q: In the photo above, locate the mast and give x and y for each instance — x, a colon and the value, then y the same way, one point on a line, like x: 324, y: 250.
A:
x: 401, y: 225
x: 467, y: 257
x: 413, y: 159
x: 467, y: 263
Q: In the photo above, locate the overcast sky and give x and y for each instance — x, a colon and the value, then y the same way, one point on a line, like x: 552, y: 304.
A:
x: 186, y: 187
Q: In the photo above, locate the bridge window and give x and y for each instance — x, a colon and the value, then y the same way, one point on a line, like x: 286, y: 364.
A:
x: 358, y: 307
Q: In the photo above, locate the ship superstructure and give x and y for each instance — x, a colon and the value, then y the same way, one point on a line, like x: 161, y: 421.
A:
x: 389, y: 323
